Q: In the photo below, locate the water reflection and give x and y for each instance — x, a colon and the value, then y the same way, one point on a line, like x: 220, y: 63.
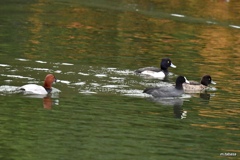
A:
x: 176, y: 103
x: 205, y: 96
x: 48, y: 102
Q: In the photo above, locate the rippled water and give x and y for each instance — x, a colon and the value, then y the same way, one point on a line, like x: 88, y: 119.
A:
x: 93, y: 49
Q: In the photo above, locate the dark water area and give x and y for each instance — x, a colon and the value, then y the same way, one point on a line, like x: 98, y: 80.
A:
x: 93, y: 48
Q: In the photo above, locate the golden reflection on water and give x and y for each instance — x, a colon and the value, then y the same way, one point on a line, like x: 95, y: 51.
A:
x: 218, y: 9
x: 138, y: 34
x: 218, y: 45
x: 220, y: 57
x: 215, y: 126
x: 231, y: 151
x: 229, y: 112
x: 35, y: 29
x: 219, y: 114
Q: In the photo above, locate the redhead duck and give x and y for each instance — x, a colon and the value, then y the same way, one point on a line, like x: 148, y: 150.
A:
x: 168, y: 91
x: 155, y: 72
x: 36, y: 89
x: 196, y: 87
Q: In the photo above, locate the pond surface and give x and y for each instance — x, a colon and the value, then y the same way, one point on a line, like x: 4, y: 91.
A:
x: 93, y: 48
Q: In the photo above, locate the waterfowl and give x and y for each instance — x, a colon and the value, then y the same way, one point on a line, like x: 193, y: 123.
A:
x: 155, y: 72
x: 36, y: 89
x: 168, y: 91
x: 196, y: 87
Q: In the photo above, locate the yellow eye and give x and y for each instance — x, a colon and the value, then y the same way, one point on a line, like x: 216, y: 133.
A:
x: 168, y: 62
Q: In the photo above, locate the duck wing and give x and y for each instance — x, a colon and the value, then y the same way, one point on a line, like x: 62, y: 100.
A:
x: 154, y: 69
x: 194, y: 83
x: 193, y: 87
x: 169, y: 91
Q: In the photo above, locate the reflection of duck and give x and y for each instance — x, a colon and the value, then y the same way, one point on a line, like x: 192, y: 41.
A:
x: 196, y: 87
x: 179, y: 112
x: 205, y: 96
x: 157, y: 72
x: 168, y: 101
x: 47, y: 103
x: 168, y: 91
x: 36, y: 89
x: 175, y: 102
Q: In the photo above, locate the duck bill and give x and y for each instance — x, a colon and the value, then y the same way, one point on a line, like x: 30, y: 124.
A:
x: 173, y: 66
x: 212, y: 82
x: 186, y: 81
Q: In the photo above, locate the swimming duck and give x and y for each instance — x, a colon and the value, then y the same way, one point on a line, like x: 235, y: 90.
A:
x: 168, y: 91
x: 196, y: 87
x: 36, y: 89
x: 155, y: 72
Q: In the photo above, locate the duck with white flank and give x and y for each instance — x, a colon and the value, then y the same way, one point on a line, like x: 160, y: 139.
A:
x: 36, y: 89
x: 155, y: 72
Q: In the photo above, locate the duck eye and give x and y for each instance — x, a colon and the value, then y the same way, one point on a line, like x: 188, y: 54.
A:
x: 168, y: 62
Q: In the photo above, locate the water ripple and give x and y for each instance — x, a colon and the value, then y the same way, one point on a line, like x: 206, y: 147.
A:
x: 16, y: 76
x: 4, y: 65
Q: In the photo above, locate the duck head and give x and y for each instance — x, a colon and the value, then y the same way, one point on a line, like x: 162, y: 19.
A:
x: 165, y: 63
x: 206, y: 80
x: 49, y: 79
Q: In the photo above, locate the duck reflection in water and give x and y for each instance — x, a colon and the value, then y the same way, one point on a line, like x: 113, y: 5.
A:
x: 175, y: 102
x: 205, y: 96
x: 48, y: 102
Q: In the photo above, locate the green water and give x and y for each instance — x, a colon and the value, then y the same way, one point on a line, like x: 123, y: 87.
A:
x: 93, y: 48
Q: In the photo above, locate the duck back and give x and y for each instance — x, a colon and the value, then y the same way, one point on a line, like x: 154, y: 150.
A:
x: 33, y: 89
x: 169, y: 91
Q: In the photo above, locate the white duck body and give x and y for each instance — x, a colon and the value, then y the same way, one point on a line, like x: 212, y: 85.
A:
x: 154, y: 74
x: 33, y: 89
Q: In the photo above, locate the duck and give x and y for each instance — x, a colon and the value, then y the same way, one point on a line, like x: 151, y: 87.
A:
x: 155, y: 72
x: 196, y: 87
x: 168, y: 91
x: 40, y: 90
